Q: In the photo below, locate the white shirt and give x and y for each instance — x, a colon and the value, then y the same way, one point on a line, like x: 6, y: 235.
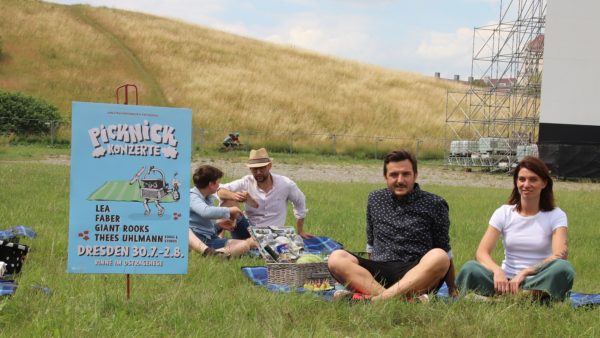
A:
x: 272, y: 205
x: 527, y: 240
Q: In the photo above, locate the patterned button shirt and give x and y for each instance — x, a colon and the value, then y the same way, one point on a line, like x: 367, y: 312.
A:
x: 406, y: 229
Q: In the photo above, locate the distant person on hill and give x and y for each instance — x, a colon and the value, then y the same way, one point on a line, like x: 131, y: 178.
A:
x: 206, y: 219
x: 232, y: 140
x: 266, y: 196
x: 534, y: 235
x: 407, y: 240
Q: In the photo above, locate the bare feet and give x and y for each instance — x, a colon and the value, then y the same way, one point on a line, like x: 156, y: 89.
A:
x: 209, y: 252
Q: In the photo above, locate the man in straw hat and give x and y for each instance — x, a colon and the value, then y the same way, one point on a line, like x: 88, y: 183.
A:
x: 266, y: 196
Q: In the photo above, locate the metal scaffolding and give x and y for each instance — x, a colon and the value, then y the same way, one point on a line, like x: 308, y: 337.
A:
x: 495, y: 121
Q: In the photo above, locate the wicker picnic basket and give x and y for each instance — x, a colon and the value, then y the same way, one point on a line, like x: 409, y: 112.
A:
x: 291, y: 274
x: 13, y: 255
x: 297, y: 274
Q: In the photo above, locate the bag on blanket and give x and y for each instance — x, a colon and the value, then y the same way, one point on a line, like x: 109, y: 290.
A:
x: 13, y: 255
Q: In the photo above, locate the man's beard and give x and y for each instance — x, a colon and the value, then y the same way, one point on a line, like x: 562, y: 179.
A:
x: 260, y: 178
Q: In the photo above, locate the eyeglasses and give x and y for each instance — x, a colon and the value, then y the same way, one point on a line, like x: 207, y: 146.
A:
x: 261, y: 169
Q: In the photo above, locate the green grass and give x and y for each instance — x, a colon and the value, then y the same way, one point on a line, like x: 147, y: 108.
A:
x: 32, y: 152
x: 214, y: 299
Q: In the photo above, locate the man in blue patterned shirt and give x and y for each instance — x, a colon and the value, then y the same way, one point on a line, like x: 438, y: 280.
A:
x: 407, y: 240
x: 206, y: 219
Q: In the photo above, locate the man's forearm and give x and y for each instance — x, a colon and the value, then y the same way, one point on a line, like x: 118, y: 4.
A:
x: 534, y: 269
x: 225, y: 194
x: 299, y: 225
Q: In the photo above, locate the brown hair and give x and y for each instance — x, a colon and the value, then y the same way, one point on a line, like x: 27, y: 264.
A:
x: 539, y: 168
x: 397, y: 156
x: 205, y: 174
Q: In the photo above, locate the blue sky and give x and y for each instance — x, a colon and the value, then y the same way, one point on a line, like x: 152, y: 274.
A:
x: 423, y: 36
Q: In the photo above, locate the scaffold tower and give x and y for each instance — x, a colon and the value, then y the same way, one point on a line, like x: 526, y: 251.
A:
x: 494, y: 122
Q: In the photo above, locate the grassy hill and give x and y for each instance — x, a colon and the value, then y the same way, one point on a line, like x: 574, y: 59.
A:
x: 267, y: 91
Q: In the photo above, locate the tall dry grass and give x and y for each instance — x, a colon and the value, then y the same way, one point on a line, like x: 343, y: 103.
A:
x: 51, y: 53
x: 230, y: 82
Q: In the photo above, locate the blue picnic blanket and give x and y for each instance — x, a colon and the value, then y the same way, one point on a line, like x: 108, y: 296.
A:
x: 321, y: 245
x: 7, y: 287
x: 584, y: 299
x: 316, y: 245
x: 16, y: 231
x: 259, y: 276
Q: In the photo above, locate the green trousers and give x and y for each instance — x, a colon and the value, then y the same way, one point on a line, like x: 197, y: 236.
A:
x: 554, y: 278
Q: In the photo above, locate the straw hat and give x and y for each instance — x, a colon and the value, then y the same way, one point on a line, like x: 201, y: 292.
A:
x: 258, y: 158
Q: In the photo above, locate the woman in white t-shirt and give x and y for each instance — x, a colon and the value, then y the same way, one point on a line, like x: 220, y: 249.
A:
x: 534, y: 235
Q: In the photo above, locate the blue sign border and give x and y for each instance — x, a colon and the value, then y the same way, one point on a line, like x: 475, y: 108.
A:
x: 129, y: 200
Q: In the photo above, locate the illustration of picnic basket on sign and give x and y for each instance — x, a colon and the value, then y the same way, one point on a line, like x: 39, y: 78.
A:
x: 153, y: 187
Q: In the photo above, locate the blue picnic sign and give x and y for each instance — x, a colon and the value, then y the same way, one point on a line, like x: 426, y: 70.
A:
x: 130, y: 174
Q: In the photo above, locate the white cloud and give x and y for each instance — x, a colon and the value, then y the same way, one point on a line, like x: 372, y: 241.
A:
x: 440, y: 45
x: 347, y: 36
x: 235, y: 28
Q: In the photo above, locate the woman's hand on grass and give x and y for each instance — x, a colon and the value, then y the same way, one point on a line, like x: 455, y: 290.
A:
x: 515, y: 284
x: 500, y: 282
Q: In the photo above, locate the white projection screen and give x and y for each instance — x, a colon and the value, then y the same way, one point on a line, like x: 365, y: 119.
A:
x: 569, y: 135
x: 571, y: 80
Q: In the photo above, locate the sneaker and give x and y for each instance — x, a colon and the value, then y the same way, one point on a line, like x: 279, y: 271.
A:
x: 477, y: 298
x: 351, y: 296
x: 341, y: 294
x: 424, y: 298
x: 360, y: 297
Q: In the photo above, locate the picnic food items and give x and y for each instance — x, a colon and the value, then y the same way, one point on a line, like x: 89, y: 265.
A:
x: 271, y: 252
x: 317, y: 285
x: 282, y: 240
x: 278, y: 240
x: 309, y: 258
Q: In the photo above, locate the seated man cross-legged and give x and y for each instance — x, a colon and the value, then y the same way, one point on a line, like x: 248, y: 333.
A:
x: 204, y: 227
x: 407, y: 240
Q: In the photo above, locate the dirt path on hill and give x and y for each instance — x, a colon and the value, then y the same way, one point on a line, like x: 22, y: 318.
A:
x: 149, y: 80
x: 369, y: 173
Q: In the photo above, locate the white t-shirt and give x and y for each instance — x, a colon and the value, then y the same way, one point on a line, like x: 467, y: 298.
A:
x: 527, y: 240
